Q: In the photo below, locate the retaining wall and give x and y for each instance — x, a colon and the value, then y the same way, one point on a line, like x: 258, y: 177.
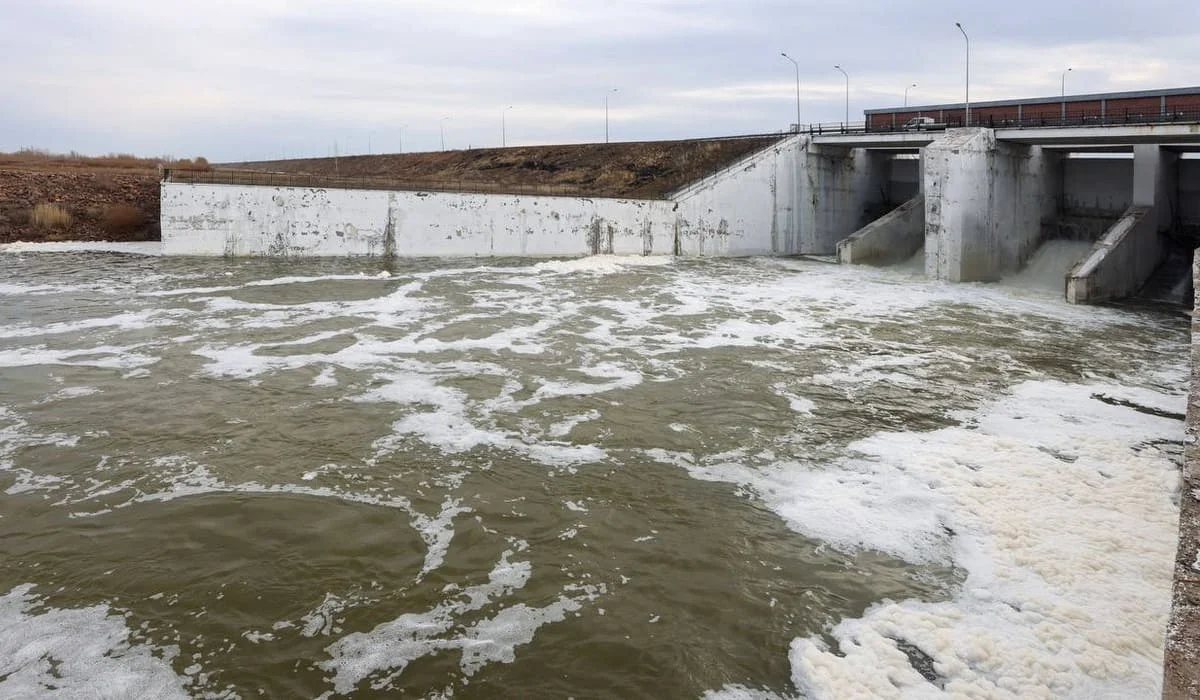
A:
x: 893, y: 238
x: 1121, y: 261
x: 745, y: 209
x: 1181, y: 667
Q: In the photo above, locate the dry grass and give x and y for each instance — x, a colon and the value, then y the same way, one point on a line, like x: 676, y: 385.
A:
x: 46, y: 215
x: 122, y: 161
x: 119, y: 219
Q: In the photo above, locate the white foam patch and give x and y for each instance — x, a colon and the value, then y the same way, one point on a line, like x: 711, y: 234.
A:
x: 390, y: 647
x: 1058, y: 510
x: 84, y: 652
x: 741, y: 692
x: 327, y: 378
x: 129, y: 248
x: 123, y: 322
x: 602, y: 264
x: 178, y: 477
x: 102, y: 357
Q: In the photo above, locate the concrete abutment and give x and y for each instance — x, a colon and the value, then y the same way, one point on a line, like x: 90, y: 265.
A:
x: 988, y: 204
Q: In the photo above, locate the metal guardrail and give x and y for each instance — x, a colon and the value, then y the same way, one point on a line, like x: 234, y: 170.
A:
x: 1039, y: 121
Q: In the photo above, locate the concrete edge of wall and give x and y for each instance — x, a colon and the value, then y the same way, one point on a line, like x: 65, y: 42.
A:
x: 1116, y: 267
x: 892, y: 238
x: 1181, y: 656
x: 741, y: 164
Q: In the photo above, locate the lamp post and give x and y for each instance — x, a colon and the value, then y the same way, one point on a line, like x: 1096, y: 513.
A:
x: 402, y: 128
x: 797, y: 65
x: 1063, y: 92
x: 442, y: 130
x: 504, y: 127
x: 968, y: 98
x: 847, y: 77
x: 906, y: 93
x: 606, y: 112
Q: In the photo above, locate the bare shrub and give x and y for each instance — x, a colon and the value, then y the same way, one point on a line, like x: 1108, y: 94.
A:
x: 121, y: 218
x: 46, y: 215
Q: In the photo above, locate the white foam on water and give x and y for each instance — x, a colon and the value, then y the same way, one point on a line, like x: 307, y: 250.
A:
x: 620, y: 378
x: 325, y: 617
x: 603, y: 264
x: 1057, y: 508
x: 129, y: 321
x: 327, y: 378
x: 77, y: 653
x: 178, y: 477
x: 129, y: 248
x: 391, y: 646
x: 741, y: 692
x: 437, y: 532
x: 102, y: 357
x: 563, y: 428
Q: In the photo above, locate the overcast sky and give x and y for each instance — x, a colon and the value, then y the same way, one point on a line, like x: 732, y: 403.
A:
x: 246, y: 80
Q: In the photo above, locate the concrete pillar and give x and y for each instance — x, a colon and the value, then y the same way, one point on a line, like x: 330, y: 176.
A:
x: 987, y: 204
x: 1156, y: 182
x: 839, y: 189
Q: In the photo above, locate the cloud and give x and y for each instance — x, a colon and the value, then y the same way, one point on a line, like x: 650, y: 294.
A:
x: 248, y: 80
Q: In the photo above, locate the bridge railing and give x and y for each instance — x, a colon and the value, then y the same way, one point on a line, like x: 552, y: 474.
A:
x: 1046, y: 117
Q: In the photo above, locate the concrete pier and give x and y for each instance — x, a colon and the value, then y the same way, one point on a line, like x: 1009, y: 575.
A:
x: 987, y: 204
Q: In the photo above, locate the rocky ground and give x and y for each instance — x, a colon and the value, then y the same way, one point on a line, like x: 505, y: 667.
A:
x: 104, y: 203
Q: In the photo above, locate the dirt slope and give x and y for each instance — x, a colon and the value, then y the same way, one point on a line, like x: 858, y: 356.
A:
x: 637, y: 170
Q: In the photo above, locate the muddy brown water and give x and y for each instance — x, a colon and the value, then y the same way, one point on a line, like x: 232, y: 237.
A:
x: 463, y: 477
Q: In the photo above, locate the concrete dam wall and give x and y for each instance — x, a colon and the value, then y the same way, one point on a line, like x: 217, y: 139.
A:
x: 736, y: 211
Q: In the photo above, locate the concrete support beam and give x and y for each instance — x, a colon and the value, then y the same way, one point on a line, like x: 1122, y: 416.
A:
x: 987, y: 204
x: 895, y: 237
x: 1120, y: 262
x: 839, y: 187
x: 1156, y: 183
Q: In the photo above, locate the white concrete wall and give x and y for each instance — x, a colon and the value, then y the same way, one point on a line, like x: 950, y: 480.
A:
x: 895, y: 237
x: 1121, y: 261
x: 747, y: 208
x: 986, y: 204
x: 1156, y: 182
x: 838, y: 188
x: 905, y: 180
x: 1189, y: 191
x: 291, y: 221
x: 1097, y: 186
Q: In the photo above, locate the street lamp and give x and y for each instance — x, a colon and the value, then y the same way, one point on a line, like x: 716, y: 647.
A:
x: 847, y: 76
x: 606, y: 112
x: 442, y: 129
x: 504, y: 127
x: 968, y: 98
x: 797, y: 65
x: 402, y: 128
x: 906, y: 93
x: 1064, y: 81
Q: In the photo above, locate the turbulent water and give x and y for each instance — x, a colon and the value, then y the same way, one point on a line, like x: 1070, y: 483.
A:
x: 598, y: 478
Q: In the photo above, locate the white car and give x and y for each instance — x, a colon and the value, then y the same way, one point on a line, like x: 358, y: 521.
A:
x: 920, y: 124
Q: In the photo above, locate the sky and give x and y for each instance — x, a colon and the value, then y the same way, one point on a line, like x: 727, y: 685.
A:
x: 234, y: 80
